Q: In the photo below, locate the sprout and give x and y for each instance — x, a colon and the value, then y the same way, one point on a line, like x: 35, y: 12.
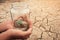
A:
x: 22, y: 25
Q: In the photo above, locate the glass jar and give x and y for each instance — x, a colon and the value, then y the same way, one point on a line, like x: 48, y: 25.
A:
x: 20, y: 9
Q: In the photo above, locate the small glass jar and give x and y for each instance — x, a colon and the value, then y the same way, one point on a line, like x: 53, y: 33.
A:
x: 20, y: 9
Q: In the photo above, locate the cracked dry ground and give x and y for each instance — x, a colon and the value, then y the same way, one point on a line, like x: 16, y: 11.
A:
x: 45, y: 15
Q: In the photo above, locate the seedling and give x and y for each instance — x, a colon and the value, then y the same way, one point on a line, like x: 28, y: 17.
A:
x: 21, y: 24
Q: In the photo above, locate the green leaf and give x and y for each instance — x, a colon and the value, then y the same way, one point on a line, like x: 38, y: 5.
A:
x: 19, y: 21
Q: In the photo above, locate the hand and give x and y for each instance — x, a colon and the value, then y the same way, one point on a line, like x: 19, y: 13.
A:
x: 5, y: 25
x: 16, y: 32
x: 27, y: 33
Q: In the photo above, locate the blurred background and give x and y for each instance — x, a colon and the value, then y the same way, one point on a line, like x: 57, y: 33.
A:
x: 45, y: 15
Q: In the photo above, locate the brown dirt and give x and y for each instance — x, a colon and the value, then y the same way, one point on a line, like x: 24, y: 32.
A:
x: 45, y: 15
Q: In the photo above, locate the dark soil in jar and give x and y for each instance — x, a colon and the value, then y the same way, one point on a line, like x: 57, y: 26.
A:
x: 21, y: 24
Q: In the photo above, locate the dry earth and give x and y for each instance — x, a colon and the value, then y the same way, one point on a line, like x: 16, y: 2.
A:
x: 45, y: 15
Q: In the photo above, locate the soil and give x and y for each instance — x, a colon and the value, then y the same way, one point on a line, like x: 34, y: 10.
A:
x: 21, y: 24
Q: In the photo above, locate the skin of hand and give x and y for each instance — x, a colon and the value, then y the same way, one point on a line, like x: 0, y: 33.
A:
x: 12, y: 32
x: 5, y: 25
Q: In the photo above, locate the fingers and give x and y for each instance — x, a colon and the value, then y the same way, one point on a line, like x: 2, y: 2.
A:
x: 18, y: 33
x: 24, y: 33
x: 6, y: 25
x: 5, y: 35
x: 15, y: 33
x: 24, y: 17
x: 18, y: 17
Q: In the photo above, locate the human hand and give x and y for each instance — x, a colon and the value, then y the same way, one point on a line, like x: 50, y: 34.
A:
x: 15, y: 32
x: 29, y: 31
